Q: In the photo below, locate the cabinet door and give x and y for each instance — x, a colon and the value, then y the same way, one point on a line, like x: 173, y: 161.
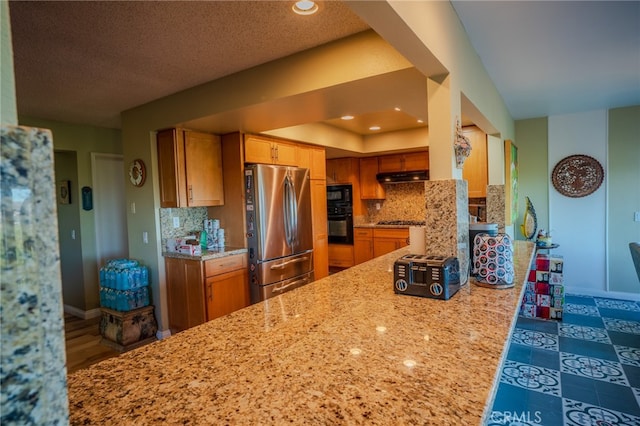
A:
x: 388, y: 240
x: 176, y: 294
x: 185, y: 293
x: 257, y: 150
x: 319, y: 223
x: 370, y: 188
x: 285, y: 154
x: 362, y: 245
x: 474, y: 170
x: 339, y: 170
x: 226, y: 293
x: 341, y: 255
x: 318, y: 163
x: 195, y: 292
x: 404, y: 162
x: 416, y: 161
x: 390, y: 163
x: 203, y: 159
x: 171, y: 168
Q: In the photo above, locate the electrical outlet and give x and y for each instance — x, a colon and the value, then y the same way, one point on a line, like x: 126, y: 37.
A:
x: 133, y: 208
x: 176, y: 222
x: 636, y: 216
x: 377, y: 206
x: 145, y: 237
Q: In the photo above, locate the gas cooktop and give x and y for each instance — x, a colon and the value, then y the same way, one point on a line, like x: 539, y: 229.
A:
x: 402, y: 222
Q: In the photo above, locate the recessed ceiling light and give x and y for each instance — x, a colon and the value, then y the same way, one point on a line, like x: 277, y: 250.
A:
x: 374, y: 128
x: 420, y: 121
x: 305, y: 7
x: 397, y: 109
x: 347, y: 117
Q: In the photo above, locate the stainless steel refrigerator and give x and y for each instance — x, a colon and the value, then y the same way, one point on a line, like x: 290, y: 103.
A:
x: 279, y: 234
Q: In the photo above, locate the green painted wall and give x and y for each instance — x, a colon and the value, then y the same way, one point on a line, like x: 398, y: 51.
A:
x: 533, y: 170
x: 623, y: 186
x: 83, y: 140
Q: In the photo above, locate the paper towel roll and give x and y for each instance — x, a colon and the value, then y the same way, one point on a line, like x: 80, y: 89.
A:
x: 416, y: 240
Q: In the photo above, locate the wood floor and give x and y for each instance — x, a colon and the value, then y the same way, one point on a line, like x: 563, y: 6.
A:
x: 82, y: 342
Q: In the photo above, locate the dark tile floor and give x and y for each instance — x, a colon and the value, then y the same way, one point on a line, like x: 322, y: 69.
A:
x: 583, y: 370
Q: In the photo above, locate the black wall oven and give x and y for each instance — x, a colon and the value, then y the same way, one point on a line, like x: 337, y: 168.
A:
x: 340, y: 214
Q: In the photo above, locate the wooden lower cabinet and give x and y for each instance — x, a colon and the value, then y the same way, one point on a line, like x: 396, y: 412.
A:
x: 341, y: 255
x: 199, y: 291
x: 362, y: 245
x: 185, y: 296
x: 387, y: 240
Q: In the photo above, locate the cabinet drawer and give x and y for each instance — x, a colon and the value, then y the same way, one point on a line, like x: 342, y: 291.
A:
x: 362, y: 232
x: 391, y: 233
x: 225, y: 264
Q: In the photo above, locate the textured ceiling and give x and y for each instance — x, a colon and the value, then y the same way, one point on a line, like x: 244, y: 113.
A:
x: 85, y: 62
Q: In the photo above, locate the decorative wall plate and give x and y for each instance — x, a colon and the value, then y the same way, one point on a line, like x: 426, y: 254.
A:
x: 577, y: 176
x: 137, y: 172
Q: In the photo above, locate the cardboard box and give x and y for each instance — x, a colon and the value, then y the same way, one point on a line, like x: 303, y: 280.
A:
x: 542, y: 288
x: 532, y: 275
x: 192, y: 250
x: 530, y: 286
x: 556, y: 264
x: 542, y: 262
x: 555, y: 313
x: 557, y: 302
x: 557, y: 290
x: 542, y: 312
x: 555, y: 278
x: 543, y: 300
x: 529, y: 310
x: 542, y: 277
x: 529, y: 297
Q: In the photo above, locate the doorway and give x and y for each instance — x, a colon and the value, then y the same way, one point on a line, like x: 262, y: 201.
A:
x: 110, y: 209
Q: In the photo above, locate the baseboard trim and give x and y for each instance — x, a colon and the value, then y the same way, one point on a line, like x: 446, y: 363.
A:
x: 576, y: 291
x: 76, y: 312
x: 163, y: 334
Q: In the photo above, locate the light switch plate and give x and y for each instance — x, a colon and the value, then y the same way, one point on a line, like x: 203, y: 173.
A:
x: 636, y: 217
x: 176, y: 222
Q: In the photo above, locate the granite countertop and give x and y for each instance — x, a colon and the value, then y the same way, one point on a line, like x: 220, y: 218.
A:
x: 207, y: 254
x: 342, y: 350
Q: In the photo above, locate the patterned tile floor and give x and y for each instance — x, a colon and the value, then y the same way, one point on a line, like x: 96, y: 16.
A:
x: 583, y: 370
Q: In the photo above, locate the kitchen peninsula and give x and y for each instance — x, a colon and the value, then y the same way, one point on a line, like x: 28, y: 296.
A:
x: 344, y: 349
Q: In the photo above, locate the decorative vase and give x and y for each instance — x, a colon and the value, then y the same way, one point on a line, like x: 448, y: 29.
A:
x: 461, y: 146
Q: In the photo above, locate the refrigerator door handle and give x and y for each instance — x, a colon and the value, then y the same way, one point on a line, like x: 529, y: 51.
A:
x: 289, y: 262
x: 287, y: 210
x: 281, y: 288
x: 294, y: 214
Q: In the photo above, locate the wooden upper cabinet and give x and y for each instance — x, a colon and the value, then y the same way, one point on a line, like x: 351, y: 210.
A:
x: 370, y: 188
x: 403, y: 162
x: 475, y: 170
x: 263, y: 150
x: 190, y: 169
x: 312, y: 158
x: 341, y: 170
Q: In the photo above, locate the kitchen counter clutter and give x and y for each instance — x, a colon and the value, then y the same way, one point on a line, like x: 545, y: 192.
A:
x: 207, y: 254
x: 344, y: 349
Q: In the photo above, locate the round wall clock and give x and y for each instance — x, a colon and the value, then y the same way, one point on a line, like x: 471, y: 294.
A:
x: 577, y: 176
x: 137, y: 173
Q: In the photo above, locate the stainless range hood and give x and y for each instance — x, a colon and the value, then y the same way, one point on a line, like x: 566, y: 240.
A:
x: 403, y: 177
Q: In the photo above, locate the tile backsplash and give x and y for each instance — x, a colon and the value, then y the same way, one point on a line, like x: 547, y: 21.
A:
x: 404, y: 201
x: 191, y: 219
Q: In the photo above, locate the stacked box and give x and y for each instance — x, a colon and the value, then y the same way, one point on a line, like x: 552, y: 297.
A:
x: 124, y: 285
x: 544, y: 291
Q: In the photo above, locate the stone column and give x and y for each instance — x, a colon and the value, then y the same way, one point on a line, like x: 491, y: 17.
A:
x: 447, y: 222
x: 33, y: 374
x: 446, y: 193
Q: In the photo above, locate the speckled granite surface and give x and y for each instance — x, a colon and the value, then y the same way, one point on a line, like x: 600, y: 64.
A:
x: 33, y: 373
x: 496, y: 206
x: 208, y: 254
x: 404, y: 201
x: 342, y: 350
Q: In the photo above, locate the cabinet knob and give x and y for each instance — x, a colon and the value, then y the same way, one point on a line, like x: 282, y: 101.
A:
x: 190, y: 192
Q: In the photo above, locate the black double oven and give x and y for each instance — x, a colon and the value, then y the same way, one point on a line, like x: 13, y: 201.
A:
x: 340, y: 214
